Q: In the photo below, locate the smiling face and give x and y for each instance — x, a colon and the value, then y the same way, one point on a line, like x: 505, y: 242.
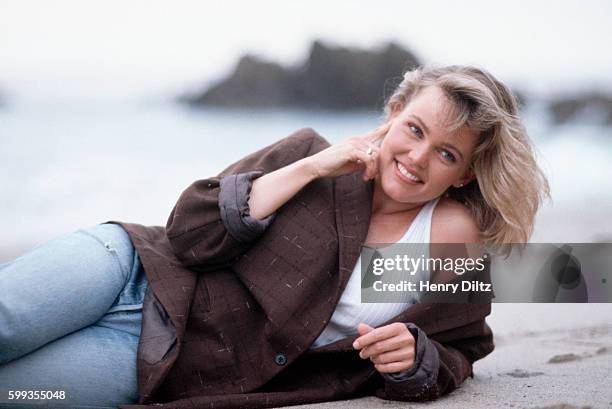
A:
x: 419, y: 159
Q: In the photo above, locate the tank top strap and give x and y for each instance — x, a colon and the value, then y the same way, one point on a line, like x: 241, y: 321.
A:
x: 420, y: 228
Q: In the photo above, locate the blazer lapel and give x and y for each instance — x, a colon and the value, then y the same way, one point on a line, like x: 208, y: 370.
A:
x: 353, y: 204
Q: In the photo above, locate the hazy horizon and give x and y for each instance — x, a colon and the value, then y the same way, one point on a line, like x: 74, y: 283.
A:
x: 112, y: 48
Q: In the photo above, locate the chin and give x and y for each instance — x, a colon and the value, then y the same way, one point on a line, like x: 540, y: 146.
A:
x: 399, y: 192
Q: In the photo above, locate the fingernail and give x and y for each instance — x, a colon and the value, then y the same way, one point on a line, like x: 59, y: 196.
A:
x: 356, y: 345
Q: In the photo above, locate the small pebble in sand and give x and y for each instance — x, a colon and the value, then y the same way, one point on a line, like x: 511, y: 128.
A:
x: 564, y: 358
x: 521, y: 373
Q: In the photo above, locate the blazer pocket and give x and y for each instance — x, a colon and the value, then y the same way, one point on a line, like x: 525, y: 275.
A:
x: 158, y: 335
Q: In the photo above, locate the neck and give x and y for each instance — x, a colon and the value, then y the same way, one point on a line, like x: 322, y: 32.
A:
x: 383, y: 205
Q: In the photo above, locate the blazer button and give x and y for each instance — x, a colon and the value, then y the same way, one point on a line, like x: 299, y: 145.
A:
x: 280, y: 359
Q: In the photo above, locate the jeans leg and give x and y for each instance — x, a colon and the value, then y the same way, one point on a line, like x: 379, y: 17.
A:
x: 95, y: 367
x: 126, y: 312
x: 62, y: 286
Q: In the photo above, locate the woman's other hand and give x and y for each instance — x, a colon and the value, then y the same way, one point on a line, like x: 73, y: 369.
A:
x: 391, y: 348
x: 354, y: 154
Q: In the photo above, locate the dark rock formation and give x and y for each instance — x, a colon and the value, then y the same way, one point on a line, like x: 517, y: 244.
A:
x: 592, y: 107
x: 253, y: 83
x: 336, y: 78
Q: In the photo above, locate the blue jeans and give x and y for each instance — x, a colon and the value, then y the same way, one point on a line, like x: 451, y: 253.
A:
x: 70, y: 318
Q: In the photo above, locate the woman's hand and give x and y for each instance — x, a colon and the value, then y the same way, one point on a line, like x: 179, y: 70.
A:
x: 356, y: 153
x: 270, y: 191
x: 391, y: 348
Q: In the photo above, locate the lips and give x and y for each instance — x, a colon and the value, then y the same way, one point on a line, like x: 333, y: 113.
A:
x: 407, y: 174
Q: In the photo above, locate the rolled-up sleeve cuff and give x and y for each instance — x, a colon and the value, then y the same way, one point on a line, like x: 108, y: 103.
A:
x: 424, y: 372
x: 234, y: 207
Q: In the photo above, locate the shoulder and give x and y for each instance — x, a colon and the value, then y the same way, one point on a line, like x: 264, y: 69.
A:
x: 306, y: 136
x: 300, y: 144
x: 453, y: 222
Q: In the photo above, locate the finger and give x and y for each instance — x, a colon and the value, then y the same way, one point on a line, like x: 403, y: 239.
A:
x: 363, y: 328
x: 379, y: 334
x: 400, y: 341
x: 398, y: 355
x: 369, y: 162
x: 373, y: 152
x: 392, y: 367
x: 366, y: 146
x: 387, y: 345
x: 378, y: 133
x: 373, y: 170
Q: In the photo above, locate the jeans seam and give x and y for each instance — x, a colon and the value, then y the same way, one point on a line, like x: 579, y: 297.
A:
x: 135, y: 261
x: 136, y: 264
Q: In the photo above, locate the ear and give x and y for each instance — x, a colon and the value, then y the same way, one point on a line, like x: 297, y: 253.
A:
x: 467, y: 178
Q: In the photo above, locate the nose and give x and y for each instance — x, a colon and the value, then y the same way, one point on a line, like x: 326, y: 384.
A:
x: 419, y: 155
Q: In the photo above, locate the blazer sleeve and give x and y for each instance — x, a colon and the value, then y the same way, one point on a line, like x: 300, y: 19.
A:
x: 197, y: 225
x: 440, y: 367
x: 234, y: 194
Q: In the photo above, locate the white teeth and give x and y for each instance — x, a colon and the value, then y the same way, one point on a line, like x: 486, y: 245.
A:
x: 405, y: 172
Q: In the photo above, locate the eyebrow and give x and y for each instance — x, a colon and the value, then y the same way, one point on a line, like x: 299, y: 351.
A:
x: 420, y: 122
x: 426, y: 129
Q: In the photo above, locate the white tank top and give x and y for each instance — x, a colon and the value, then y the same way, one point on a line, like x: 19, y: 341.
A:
x: 350, y: 311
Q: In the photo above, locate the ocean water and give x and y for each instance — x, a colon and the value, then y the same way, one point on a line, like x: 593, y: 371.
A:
x: 71, y: 163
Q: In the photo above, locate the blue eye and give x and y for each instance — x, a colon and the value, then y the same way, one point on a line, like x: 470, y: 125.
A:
x: 415, y: 130
x: 448, y: 156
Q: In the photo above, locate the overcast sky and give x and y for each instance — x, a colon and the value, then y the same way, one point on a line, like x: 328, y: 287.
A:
x: 154, y: 48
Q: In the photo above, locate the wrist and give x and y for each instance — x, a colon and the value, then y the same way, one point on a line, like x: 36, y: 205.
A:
x: 308, y: 168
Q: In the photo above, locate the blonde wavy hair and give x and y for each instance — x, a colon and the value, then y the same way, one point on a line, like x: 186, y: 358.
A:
x: 509, y: 187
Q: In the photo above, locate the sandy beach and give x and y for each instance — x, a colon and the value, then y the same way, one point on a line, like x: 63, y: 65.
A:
x: 549, y: 356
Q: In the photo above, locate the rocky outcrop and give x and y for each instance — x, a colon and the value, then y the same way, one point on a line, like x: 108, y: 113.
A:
x: 593, y: 107
x: 348, y: 78
x: 336, y: 78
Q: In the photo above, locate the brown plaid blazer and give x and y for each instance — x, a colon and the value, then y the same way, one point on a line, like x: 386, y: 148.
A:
x: 228, y: 324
